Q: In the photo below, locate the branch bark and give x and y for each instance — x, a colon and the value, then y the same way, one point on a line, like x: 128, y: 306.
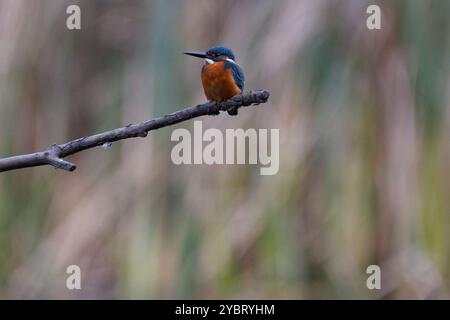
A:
x: 55, y: 153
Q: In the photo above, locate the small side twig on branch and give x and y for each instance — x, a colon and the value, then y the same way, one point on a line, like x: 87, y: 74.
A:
x: 55, y: 153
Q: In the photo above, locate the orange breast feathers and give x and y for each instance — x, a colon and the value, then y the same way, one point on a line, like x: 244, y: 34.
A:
x: 218, y: 82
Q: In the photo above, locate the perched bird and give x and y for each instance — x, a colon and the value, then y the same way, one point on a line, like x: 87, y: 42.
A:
x: 221, y: 77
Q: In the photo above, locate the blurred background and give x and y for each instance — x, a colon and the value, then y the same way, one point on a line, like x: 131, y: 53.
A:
x: 364, y: 119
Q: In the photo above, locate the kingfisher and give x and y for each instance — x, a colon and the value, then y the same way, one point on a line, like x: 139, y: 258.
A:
x: 221, y: 77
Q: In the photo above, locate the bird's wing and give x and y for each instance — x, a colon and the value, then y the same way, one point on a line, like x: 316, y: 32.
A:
x: 238, y: 75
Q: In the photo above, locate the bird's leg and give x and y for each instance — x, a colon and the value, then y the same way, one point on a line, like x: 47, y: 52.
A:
x: 217, y: 111
x: 233, y: 111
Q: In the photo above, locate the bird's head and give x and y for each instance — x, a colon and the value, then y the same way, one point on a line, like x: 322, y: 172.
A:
x: 213, y: 54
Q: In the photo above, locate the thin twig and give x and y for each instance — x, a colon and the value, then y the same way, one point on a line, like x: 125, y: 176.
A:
x: 54, y: 154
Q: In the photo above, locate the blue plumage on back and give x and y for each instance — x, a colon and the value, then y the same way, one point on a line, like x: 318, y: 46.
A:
x: 238, y: 75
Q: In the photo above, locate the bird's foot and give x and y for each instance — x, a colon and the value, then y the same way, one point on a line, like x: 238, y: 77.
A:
x: 233, y: 111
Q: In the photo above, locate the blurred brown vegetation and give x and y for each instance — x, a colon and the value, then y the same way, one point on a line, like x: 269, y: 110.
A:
x: 364, y: 176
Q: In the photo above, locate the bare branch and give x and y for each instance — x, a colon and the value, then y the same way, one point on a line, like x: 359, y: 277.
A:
x: 54, y: 154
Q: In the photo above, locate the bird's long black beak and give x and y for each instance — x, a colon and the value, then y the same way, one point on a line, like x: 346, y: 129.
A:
x: 198, y: 54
